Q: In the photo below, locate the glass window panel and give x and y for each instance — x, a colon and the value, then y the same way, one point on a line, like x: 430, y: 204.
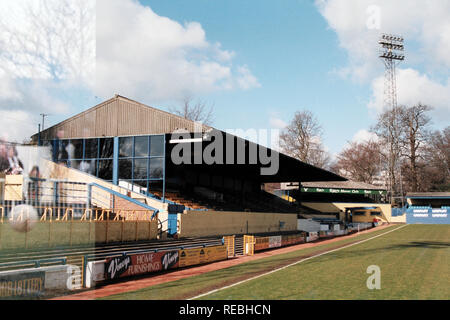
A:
x: 75, y: 164
x: 88, y: 166
x: 155, y: 187
x: 106, y: 148
x: 53, y: 150
x: 140, y: 169
x: 125, y: 147
x: 141, y: 183
x: 105, y: 169
x: 91, y: 148
x: 156, y: 146
x: 156, y: 168
x: 141, y: 146
x: 59, y: 150
x: 125, y: 169
x: 75, y: 149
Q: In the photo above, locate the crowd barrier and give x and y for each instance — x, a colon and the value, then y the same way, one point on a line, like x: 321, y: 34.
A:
x: 229, y: 241
x: 123, y: 265
x: 127, y: 265
x: 428, y: 215
x: 64, y: 213
x: 312, y: 236
x: 264, y: 243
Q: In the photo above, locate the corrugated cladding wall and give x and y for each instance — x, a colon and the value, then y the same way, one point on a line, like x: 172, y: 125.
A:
x: 118, y: 117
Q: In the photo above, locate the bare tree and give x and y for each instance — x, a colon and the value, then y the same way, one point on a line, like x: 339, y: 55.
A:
x: 198, y: 111
x: 301, y: 139
x: 438, y: 160
x: 414, y: 122
x: 440, y: 144
x: 360, y: 161
x: 388, y: 128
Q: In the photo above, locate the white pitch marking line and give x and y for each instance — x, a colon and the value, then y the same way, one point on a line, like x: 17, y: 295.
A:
x: 292, y: 264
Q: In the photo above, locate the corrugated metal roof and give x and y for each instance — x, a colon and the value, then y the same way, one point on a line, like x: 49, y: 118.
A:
x: 428, y: 194
x: 342, y: 185
x: 119, y: 116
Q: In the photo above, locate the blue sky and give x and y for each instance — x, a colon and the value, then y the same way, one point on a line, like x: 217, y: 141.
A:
x: 257, y: 62
x: 292, y: 52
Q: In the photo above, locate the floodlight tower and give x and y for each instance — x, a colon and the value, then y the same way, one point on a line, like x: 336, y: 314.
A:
x: 391, y: 53
x: 392, y: 49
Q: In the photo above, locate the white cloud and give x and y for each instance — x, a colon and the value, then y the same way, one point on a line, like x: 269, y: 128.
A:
x: 47, y: 51
x: 425, y: 24
x: 364, y: 135
x: 413, y: 88
x: 8, y: 89
x: 56, y: 53
x: 51, y: 39
x: 153, y: 58
x: 246, y: 80
x: 17, y: 125
x: 277, y: 123
x: 361, y: 136
x: 223, y: 55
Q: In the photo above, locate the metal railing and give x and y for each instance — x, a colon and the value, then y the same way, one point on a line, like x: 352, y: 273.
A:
x: 59, y: 199
x: 91, y: 186
x: 32, y: 263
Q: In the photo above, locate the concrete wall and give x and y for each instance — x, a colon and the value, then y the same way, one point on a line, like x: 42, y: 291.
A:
x: 308, y: 225
x: 56, y: 278
x: 218, y: 223
x: 340, y: 206
x: 398, y: 219
x: 45, y: 234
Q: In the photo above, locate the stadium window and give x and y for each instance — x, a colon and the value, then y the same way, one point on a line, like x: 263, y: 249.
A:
x: 77, y: 146
x: 125, y: 147
x: 141, y: 183
x: 156, y: 168
x: 359, y: 213
x: 61, y: 148
x: 140, y: 169
x: 75, y: 164
x: 106, y: 148
x: 88, y: 166
x: 105, y: 169
x: 125, y: 167
x: 375, y: 213
x: 141, y: 146
x: 156, y: 146
x: 155, y: 186
x: 91, y: 148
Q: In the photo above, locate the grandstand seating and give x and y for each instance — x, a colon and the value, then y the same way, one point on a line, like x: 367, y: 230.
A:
x: 250, y: 201
x: 178, y: 199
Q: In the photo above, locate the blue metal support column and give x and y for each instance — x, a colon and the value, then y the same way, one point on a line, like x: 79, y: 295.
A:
x: 164, y: 172
x: 116, y: 161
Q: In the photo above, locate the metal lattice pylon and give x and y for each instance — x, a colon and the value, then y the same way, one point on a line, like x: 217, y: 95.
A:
x: 390, y: 54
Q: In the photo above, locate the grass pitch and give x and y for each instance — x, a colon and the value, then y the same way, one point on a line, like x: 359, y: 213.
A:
x: 414, y: 263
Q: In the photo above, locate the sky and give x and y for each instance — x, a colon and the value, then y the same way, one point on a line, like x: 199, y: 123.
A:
x: 255, y: 62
